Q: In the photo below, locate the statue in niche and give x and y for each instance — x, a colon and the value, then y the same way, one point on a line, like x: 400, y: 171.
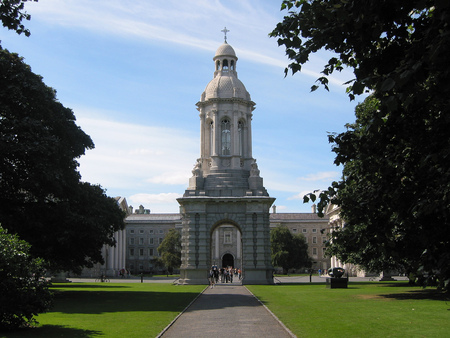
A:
x: 254, y: 171
x: 197, y: 171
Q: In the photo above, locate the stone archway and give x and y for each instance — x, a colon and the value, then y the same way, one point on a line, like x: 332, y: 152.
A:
x: 226, y: 240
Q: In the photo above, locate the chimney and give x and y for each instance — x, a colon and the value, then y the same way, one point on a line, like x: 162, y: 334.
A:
x: 274, y: 209
x: 313, y: 208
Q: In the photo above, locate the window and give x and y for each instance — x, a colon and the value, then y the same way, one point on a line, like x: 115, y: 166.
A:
x: 141, y: 240
x: 227, y: 239
x: 314, y: 251
x: 324, y: 239
x: 211, y: 138
x: 304, y: 231
x: 294, y: 230
x: 150, y: 252
x: 226, y: 137
x: 314, y: 240
x: 141, y: 252
x: 131, y: 252
x: 141, y: 231
x: 241, y: 138
x: 141, y: 267
x: 314, y: 230
x: 160, y: 240
x: 151, y: 240
x: 161, y: 231
x: 151, y: 231
x: 132, y: 240
x: 131, y: 231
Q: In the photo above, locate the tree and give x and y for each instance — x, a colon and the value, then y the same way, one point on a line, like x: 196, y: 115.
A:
x: 394, y: 194
x: 170, y: 250
x: 25, y: 292
x: 288, y: 251
x: 12, y: 13
x: 43, y: 200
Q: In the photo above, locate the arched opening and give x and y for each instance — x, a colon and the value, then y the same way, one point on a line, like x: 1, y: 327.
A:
x: 228, y: 261
x: 226, y: 246
x: 226, y: 137
x: 225, y: 66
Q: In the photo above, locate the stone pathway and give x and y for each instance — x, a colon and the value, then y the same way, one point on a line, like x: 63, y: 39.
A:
x: 226, y: 310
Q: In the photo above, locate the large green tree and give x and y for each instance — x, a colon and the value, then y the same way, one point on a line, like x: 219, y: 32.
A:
x: 170, y: 250
x: 288, y: 251
x: 24, y: 291
x: 395, y: 190
x: 43, y: 200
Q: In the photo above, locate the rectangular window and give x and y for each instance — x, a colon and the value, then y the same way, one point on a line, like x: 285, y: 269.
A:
x: 227, y: 239
x: 131, y: 252
x: 141, y: 231
x: 131, y: 231
x: 151, y: 231
x: 314, y: 230
x: 141, y: 252
x: 132, y: 240
x: 161, y: 231
x: 314, y: 240
x: 314, y: 252
x: 150, y: 251
x: 324, y: 239
x: 304, y: 231
x: 141, y: 267
x: 151, y: 240
x: 141, y: 240
x: 294, y: 230
x: 160, y: 240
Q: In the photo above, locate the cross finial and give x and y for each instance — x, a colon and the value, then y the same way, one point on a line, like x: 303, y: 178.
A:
x: 225, y: 31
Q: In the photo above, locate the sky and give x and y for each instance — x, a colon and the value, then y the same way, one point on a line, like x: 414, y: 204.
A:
x: 132, y: 72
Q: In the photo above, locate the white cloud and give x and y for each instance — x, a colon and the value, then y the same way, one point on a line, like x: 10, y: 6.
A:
x: 321, y: 176
x: 129, y: 154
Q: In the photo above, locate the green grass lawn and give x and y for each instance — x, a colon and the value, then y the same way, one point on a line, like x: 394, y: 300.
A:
x: 111, y: 310
x: 362, y: 310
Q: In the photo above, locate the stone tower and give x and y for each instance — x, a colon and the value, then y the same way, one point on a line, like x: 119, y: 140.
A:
x: 225, y: 210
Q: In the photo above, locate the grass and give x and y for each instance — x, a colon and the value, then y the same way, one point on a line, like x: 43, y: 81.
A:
x: 309, y: 310
x: 362, y: 310
x: 111, y: 310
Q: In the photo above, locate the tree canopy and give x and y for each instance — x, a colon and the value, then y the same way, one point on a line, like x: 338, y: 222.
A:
x: 288, y: 251
x: 12, y: 13
x: 43, y: 199
x: 395, y: 191
x: 170, y: 250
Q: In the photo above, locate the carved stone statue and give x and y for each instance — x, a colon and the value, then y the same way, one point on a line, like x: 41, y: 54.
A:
x: 197, y: 171
x: 254, y: 171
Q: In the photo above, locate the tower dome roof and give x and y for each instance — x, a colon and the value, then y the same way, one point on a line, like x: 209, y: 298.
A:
x: 225, y: 87
x: 225, y: 50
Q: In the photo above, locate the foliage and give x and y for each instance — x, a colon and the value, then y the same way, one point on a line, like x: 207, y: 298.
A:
x: 43, y: 200
x: 170, y: 250
x: 288, y: 251
x: 24, y: 292
x: 395, y: 193
x: 12, y: 13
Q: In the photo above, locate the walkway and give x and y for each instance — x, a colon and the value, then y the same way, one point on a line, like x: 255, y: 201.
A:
x: 226, y: 310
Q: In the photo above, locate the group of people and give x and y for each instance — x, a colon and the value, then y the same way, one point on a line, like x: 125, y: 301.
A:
x: 224, y: 274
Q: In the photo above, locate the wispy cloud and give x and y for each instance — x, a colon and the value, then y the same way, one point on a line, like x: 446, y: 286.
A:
x: 321, y: 176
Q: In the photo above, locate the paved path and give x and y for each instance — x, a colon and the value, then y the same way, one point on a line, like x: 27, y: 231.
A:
x: 226, y: 310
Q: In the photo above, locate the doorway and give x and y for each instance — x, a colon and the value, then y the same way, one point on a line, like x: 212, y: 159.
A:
x: 228, y: 260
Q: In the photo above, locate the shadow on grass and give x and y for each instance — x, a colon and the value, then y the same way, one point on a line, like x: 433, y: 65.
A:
x: 422, y: 294
x: 87, y: 286
x: 97, y: 302
x: 50, y: 331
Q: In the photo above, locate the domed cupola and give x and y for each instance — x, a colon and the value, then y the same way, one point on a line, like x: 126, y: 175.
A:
x: 225, y: 84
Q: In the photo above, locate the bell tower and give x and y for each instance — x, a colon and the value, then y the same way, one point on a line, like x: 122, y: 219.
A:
x: 225, y: 189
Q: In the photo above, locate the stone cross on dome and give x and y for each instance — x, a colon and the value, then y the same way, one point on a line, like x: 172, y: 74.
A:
x: 225, y: 31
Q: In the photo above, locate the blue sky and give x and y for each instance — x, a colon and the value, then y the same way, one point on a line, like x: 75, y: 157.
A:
x: 132, y: 72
